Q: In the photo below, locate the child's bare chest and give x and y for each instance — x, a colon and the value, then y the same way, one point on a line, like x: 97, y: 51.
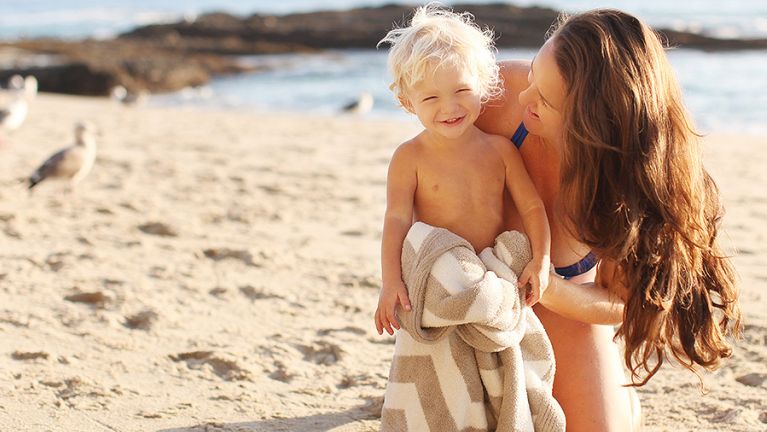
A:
x: 465, y: 197
x: 465, y: 178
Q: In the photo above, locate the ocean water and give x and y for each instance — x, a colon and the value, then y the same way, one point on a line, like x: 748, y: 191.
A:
x: 724, y: 91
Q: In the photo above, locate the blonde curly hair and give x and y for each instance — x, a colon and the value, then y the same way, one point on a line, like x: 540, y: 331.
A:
x: 435, y: 37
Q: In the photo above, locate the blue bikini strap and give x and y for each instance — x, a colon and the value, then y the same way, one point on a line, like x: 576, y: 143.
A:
x: 519, y: 136
x: 585, y: 264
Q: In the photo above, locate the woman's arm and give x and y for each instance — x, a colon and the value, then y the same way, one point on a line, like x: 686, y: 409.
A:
x: 599, y: 302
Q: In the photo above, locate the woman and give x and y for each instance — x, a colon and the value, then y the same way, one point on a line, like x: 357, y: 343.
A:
x: 614, y: 157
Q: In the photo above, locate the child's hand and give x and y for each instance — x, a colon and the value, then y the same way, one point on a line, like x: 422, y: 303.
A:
x: 536, y: 273
x: 391, y: 294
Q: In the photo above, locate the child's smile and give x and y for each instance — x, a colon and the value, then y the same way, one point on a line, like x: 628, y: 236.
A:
x: 446, y: 100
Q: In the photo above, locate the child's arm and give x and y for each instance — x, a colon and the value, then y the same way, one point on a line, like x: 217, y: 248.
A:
x: 533, y: 213
x: 400, y: 194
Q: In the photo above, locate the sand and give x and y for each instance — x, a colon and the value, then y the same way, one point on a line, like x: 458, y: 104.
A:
x: 218, y: 271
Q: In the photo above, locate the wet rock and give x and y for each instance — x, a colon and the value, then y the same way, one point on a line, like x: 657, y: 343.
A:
x: 364, y: 27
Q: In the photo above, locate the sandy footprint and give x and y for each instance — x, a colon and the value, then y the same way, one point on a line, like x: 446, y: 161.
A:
x: 143, y: 320
x: 159, y: 229
x: 218, y: 254
x: 226, y: 369
x: 322, y: 352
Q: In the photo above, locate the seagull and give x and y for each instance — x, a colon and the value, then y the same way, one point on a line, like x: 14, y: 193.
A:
x: 121, y: 94
x: 14, y: 114
x: 30, y: 87
x: 73, y: 162
x: 23, y: 91
x: 361, y: 106
x: 16, y: 82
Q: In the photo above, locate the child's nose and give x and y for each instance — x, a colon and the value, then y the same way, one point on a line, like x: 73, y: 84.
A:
x: 450, y: 105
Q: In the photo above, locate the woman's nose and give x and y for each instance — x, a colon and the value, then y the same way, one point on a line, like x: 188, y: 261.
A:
x: 525, y: 96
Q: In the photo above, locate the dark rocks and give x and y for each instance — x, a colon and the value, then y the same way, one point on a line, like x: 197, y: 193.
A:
x: 364, y: 27
x: 91, y: 67
x: 355, y: 28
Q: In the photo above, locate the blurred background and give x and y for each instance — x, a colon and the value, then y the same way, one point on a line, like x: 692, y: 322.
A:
x: 725, y: 89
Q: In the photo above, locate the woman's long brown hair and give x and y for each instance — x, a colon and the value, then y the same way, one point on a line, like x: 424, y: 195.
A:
x: 635, y: 190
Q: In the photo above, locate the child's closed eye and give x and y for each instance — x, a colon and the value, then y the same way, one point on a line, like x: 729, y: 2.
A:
x: 465, y: 89
x: 428, y: 98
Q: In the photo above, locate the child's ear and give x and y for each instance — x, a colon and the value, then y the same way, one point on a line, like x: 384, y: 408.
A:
x: 405, y: 102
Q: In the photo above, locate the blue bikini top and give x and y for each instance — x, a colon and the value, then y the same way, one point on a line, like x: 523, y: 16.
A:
x: 586, y: 263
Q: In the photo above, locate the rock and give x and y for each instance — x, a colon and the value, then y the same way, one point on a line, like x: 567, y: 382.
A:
x: 94, y: 67
x: 364, y: 27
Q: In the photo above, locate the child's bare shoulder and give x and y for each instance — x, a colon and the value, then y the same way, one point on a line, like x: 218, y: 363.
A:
x: 408, y: 151
x: 498, y: 142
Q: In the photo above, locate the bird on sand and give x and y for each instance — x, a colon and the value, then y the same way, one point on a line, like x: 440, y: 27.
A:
x: 13, y: 115
x: 30, y: 87
x: 121, y: 94
x: 362, y: 105
x: 73, y: 162
x: 22, y: 91
x: 15, y: 82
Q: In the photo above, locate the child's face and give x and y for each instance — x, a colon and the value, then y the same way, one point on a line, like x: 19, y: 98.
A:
x: 446, y: 101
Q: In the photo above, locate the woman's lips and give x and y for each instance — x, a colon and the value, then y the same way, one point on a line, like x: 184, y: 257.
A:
x: 531, y: 114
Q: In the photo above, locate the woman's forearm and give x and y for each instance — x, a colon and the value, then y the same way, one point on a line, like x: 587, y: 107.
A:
x: 589, y: 302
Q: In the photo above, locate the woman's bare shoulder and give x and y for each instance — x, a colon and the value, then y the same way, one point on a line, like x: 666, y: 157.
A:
x: 515, y: 69
x: 502, y: 116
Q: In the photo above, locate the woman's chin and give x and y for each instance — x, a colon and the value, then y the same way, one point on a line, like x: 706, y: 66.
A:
x: 532, y: 125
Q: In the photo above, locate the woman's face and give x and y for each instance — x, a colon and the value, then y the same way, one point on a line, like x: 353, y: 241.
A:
x: 544, y: 97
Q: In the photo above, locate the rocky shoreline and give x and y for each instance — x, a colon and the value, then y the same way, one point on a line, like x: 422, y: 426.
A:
x: 169, y: 57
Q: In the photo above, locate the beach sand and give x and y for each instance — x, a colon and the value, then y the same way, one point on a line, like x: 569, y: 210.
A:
x: 218, y: 271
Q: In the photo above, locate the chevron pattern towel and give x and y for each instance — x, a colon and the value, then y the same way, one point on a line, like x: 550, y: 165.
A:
x: 472, y: 356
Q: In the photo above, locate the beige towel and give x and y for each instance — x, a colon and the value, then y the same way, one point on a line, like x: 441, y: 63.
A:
x: 471, y: 356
